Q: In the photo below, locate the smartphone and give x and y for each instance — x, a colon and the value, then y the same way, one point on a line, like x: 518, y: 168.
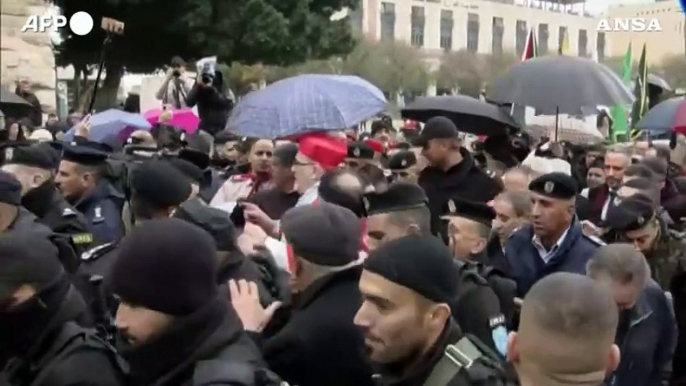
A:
x: 238, y: 215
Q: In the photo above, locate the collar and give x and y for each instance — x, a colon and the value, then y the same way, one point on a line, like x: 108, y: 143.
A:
x: 536, y: 241
x: 101, y: 190
x: 319, y: 286
x: 42, y: 199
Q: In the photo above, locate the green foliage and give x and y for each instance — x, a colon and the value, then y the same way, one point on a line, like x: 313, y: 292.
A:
x: 469, y: 72
x: 247, y: 31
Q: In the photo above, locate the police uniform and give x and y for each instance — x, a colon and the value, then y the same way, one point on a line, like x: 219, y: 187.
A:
x: 478, y: 309
x: 102, y: 205
x: 667, y: 260
x: 402, y: 166
x: 45, y: 201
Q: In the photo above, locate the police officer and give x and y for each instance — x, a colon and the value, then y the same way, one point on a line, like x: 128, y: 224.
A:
x: 34, y: 167
x: 403, y: 166
x: 361, y: 157
x: 407, y: 286
x: 554, y: 241
x: 81, y: 179
x: 635, y: 220
x: 41, y: 338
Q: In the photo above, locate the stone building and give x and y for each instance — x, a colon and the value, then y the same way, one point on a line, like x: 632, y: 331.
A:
x: 26, y: 54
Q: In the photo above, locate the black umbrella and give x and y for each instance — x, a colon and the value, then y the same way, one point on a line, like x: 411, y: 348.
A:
x: 562, y: 84
x: 12, y: 104
x: 469, y: 114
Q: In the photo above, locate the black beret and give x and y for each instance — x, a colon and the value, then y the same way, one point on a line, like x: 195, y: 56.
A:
x: 190, y: 170
x: 27, y: 258
x: 37, y: 156
x: 555, y: 185
x: 422, y: 264
x: 10, y: 189
x: 83, y: 155
x: 196, y: 142
x: 437, y: 128
x: 398, y: 197
x: 360, y: 150
x: 475, y: 211
x: 323, y: 234
x: 214, y: 221
x: 630, y: 214
x: 402, y: 160
x: 160, y: 183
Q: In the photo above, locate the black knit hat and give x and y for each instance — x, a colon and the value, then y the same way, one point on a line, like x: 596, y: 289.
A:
x: 158, y: 182
x: 323, y: 234
x: 167, y: 266
x: 27, y: 258
x: 422, y: 264
x: 10, y: 189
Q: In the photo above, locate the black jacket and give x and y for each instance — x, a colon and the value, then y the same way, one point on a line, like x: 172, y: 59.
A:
x: 66, y: 354
x: 464, y: 180
x: 320, y: 345
x: 206, y: 348
x: 213, y: 107
x: 36, y: 114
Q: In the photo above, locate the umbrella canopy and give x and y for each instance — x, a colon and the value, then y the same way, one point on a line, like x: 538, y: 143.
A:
x: 569, y: 129
x: 667, y: 116
x: 469, y: 114
x: 112, y: 123
x: 12, y: 104
x: 561, y: 84
x: 306, y: 103
x: 186, y: 119
x: 656, y: 81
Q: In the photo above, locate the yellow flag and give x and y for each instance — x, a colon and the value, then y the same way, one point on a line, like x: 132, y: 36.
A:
x: 564, y: 47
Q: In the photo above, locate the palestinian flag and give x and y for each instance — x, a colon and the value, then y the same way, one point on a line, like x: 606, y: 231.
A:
x: 641, y: 94
x: 531, y: 47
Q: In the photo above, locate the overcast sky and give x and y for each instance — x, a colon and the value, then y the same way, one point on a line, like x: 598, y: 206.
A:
x: 598, y: 6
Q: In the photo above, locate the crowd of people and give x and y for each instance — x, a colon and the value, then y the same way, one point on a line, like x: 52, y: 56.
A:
x: 395, y: 257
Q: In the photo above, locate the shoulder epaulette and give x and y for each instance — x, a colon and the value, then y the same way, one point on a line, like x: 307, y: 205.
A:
x: 94, y: 253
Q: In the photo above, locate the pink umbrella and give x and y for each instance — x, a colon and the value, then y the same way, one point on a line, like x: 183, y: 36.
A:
x: 183, y: 118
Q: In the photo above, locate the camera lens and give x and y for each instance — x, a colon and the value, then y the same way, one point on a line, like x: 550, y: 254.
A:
x: 176, y: 73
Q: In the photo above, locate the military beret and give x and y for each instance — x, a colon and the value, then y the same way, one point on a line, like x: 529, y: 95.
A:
x: 422, y: 264
x: 160, y: 183
x: 37, y: 156
x: 555, y: 185
x: 83, y: 155
x: 475, y: 211
x: 630, y: 214
x: 360, y: 150
x: 402, y: 160
x: 10, y: 189
x: 190, y: 170
x: 398, y: 197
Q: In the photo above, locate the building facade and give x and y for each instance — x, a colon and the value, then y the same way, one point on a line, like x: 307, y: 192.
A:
x: 670, y: 41
x: 480, y: 26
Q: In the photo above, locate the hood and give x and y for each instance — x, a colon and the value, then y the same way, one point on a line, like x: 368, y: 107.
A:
x: 214, y: 221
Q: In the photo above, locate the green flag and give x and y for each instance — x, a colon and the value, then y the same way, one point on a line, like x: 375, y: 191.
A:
x: 620, y: 123
x: 641, y: 93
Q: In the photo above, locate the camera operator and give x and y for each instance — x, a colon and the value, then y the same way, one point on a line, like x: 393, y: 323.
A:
x: 175, y: 88
x: 211, y: 94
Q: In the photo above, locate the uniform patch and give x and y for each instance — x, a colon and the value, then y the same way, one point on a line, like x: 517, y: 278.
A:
x: 9, y: 154
x: 356, y: 152
x: 499, y: 335
x: 91, y: 253
x: 403, y: 163
x: 97, y: 214
x: 68, y: 212
x: 82, y: 238
x: 548, y: 187
x: 452, y: 208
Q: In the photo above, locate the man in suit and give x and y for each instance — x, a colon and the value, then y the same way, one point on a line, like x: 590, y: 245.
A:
x: 616, y: 162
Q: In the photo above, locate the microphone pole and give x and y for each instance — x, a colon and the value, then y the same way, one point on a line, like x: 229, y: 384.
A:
x: 101, y: 66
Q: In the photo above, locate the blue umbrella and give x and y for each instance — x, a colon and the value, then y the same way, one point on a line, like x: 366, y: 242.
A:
x: 306, y: 103
x: 665, y: 117
x: 112, y: 123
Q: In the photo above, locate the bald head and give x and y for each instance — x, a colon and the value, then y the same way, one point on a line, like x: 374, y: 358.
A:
x: 144, y: 138
x: 567, y: 329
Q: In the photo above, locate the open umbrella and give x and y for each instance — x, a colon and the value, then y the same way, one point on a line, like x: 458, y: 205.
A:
x: 186, y: 119
x: 12, y: 104
x: 561, y: 84
x: 306, y: 103
x: 469, y: 114
x: 112, y: 123
x: 659, y: 82
x: 569, y: 129
x: 667, y: 116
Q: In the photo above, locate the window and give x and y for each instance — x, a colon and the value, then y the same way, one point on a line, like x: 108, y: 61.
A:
x: 600, y: 46
x: 583, y: 43
x: 447, y: 30
x: 521, y: 35
x: 473, y: 32
x: 417, y: 32
x: 497, y: 38
x: 562, y: 32
x: 387, y: 21
x: 543, y: 35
